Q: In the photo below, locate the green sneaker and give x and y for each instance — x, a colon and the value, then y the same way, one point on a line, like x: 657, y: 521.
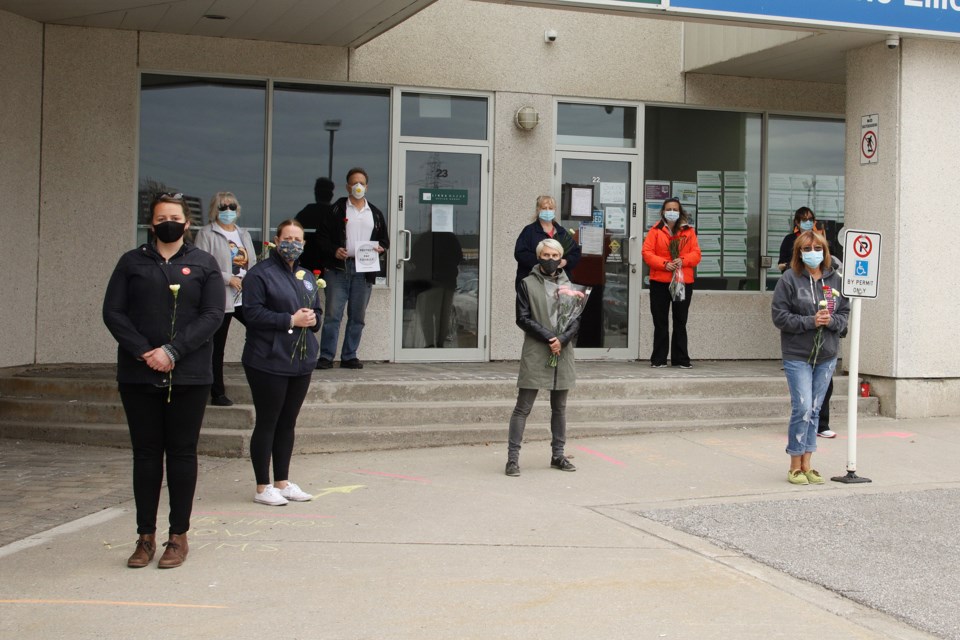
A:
x: 797, y: 477
x: 814, y: 477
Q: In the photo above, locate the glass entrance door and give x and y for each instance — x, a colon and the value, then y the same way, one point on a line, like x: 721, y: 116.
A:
x: 441, y: 266
x: 597, y: 204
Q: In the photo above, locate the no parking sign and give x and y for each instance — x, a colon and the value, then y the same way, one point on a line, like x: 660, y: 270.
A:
x: 861, y: 267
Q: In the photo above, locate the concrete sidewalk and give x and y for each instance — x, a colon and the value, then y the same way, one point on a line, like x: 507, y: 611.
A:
x: 683, y: 535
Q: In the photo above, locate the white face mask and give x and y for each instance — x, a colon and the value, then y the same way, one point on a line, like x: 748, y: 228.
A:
x: 671, y: 216
x: 358, y: 190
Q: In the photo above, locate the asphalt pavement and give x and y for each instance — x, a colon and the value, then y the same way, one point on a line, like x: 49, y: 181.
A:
x: 681, y: 535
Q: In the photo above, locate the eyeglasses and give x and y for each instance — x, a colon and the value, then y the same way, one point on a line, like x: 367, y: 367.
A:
x: 809, y: 249
x: 170, y: 196
x: 232, y: 206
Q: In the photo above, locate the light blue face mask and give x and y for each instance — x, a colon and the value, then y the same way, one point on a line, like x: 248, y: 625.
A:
x: 547, y: 215
x: 806, y: 225
x: 812, y: 258
x: 227, y: 217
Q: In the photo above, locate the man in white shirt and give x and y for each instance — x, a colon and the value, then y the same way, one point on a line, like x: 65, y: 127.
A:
x: 352, y: 225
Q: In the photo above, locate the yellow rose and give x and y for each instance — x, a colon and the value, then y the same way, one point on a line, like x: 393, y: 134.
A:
x: 175, y: 288
x: 321, y: 283
x: 300, y: 274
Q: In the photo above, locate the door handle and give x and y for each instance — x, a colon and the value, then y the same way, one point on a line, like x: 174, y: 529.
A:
x: 632, y: 243
x: 407, y: 247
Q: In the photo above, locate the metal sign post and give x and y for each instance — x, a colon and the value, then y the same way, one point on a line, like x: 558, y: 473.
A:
x: 861, y: 252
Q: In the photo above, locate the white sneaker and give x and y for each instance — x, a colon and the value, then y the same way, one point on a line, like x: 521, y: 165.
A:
x: 295, y: 493
x: 271, y: 496
x: 827, y: 434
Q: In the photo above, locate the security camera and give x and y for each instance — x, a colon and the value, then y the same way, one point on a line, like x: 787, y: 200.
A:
x: 549, y: 35
x: 893, y: 42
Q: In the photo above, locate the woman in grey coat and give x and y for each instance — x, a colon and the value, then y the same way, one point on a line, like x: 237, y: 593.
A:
x: 233, y: 249
x: 811, y: 315
x: 536, y: 315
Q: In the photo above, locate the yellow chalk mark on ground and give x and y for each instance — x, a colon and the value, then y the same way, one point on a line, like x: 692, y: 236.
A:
x: 115, y: 603
x: 346, y: 489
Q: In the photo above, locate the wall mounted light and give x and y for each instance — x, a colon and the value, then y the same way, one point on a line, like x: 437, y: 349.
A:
x: 526, y: 118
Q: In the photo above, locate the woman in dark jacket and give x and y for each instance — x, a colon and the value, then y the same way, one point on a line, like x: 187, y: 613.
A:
x: 281, y: 308
x: 544, y: 226
x: 163, y: 304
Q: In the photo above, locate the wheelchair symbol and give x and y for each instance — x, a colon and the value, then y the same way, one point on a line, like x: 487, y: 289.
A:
x: 862, y: 268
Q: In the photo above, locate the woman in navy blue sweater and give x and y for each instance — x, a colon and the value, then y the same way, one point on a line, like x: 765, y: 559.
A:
x: 281, y: 308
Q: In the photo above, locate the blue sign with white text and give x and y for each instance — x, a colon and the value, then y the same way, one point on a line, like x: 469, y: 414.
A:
x: 926, y: 16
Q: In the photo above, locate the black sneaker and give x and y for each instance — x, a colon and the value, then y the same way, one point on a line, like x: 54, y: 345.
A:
x: 221, y: 401
x: 562, y: 463
x: 351, y: 364
x: 323, y: 363
x: 513, y: 469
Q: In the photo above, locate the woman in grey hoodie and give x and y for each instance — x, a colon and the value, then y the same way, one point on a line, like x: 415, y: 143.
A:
x: 811, y: 314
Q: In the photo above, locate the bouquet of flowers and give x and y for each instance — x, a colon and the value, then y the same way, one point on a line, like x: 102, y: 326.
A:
x: 569, y: 301
x: 678, y: 291
x: 307, y: 296
x: 829, y: 303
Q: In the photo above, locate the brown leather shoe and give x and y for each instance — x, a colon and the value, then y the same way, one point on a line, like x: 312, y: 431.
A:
x: 175, y: 552
x: 143, y: 554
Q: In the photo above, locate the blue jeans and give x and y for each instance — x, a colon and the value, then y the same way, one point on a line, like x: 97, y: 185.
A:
x: 344, y: 289
x: 808, y: 385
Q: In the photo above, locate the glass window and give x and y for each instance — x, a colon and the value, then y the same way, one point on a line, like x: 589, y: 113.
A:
x: 596, y: 125
x: 198, y: 137
x: 712, y: 158
x: 428, y: 115
x: 805, y: 159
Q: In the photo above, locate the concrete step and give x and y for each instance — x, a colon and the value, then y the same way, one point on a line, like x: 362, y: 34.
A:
x: 80, y: 412
x: 327, y: 391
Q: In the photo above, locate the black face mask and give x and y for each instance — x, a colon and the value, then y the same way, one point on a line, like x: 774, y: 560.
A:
x: 169, y: 231
x: 549, y: 267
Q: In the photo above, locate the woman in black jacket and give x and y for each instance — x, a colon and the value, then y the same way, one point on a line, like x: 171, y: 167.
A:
x: 163, y: 304
x: 281, y: 308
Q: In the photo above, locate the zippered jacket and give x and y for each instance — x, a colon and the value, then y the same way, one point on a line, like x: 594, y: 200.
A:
x: 138, y: 310
x: 795, y: 303
x: 332, y: 235
x: 656, y: 251
x: 272, y: 293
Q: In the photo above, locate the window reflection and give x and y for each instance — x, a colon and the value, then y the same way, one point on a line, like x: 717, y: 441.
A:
x: 596, y: 125
x: 198, y: 137
x: 426, y: 115
x: 303, y: 117
x: 806, y: 169
x: 722, y: 149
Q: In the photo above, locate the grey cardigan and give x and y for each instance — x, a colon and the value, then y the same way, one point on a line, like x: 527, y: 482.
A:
x: 212, y: 239
x: 795, y: 302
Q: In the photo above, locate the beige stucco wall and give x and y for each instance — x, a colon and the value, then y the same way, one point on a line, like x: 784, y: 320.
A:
x: 88, y: 185
x: 493, y: 47
x: 907, y: 348
x: 21, y: 49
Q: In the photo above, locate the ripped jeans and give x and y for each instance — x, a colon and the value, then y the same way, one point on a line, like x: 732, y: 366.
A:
x: 808, y: 384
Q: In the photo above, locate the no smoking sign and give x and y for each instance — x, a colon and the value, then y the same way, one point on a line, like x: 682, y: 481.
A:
x: 869, y: 139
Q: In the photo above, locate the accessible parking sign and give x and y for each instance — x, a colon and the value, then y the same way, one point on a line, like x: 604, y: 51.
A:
x: 861, y: 259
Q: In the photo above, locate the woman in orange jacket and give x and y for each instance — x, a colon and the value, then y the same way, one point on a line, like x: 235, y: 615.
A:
x: 673, y: 228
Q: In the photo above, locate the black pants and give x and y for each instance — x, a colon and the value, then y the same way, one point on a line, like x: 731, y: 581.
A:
x: 277, y: 400
x: 159, y: 428
x: 219, y: 346
x: 825, y: 410
x: 663, y: 345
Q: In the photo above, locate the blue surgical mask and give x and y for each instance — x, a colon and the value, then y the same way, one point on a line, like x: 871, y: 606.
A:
x: 547, y: 215
x: 290, y: 249
x: 806, y: 225
x: 812, y: 258
x: 227, y: 217
x: 671, y: 216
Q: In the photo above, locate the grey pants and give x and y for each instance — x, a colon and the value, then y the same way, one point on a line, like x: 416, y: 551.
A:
x: 558, y: 422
